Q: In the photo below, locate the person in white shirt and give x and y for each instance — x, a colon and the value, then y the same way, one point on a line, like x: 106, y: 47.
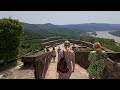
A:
x: 53, y: 54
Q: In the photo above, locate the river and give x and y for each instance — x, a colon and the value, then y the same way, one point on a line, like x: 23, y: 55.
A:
x: 105, y: 34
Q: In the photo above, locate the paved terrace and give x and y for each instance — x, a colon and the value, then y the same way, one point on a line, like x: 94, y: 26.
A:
x: 79, y: 72
x: 112, y: 70
x: 19, y: 72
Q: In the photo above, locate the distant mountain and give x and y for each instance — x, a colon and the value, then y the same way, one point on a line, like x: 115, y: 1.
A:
x: 68, y: 31
x: 95, y: 26
x: 73, y: 27
x: 48, y: 30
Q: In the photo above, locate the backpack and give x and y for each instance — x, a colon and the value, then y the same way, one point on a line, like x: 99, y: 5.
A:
x: 62, y: 65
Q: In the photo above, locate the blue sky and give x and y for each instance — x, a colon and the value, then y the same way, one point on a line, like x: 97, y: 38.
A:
x: 64, y: 17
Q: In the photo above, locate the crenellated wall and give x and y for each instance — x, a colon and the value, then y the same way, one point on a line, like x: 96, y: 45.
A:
x: 84, y: 43
x: 112, y: 69
x: 53, y: 43
x: 88, y: 44
x: 50, y: 39
x: 41, y: 60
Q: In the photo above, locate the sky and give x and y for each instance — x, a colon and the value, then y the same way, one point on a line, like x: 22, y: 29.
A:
x: 63, y: 17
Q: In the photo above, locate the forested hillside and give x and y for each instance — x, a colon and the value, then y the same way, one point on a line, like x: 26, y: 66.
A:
x: 30, y: 39
x: 115, y: 33
x: 74, y: 27
x: 107, y: 43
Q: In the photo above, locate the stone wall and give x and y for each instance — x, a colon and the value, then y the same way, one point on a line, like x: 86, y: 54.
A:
x: 81, y: 58
x: 112, y: 64
x: 114, y: 56
x: 40, y: 61
x: 52, y: 43
x: 112, y: 69
x: 50, y: 39
x: 84, y: 43
x: 88, y: 44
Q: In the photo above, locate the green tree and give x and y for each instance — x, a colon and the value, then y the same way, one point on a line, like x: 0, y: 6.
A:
x: 10, y: 31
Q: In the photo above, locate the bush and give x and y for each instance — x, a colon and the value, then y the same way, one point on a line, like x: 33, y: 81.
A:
x: 10, y: 31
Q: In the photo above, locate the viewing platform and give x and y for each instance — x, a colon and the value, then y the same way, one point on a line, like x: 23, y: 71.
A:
x: 39, y: 65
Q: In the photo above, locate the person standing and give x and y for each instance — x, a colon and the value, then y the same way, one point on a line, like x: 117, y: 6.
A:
x: 53, y: 54
x: 70, y: 60
x: 97, y: 62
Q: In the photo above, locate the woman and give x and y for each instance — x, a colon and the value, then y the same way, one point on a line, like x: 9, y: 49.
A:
x: 70, y: 57
x: 53, y: 54
x: 97, y: 59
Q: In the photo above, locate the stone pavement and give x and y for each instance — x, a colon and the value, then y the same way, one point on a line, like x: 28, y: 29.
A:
x: 18, y: 73
x: 79, y: 72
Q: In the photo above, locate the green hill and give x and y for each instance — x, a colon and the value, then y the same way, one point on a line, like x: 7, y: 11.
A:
x: 115, y: 33
x: 34, y: 32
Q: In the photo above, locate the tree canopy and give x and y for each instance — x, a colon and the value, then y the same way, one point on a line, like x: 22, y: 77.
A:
x: 10, y: 31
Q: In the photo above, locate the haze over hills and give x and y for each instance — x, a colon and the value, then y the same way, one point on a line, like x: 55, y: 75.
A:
x: 73, y: 27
